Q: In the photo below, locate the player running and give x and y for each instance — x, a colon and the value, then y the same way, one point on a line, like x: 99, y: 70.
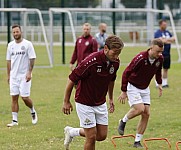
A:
x: 95, y: 77
x: 135, y: 81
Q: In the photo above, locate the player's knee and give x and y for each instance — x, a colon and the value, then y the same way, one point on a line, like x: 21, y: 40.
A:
x: 91, y: 139
x: 101, y: 138
x: 146, y: 114
x: 25, y: 98
x: 140, y: 110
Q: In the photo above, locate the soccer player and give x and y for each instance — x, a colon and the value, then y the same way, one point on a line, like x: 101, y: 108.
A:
x: 135, y: 81
x: 167, y: 39
x: 20, y: 61
x: 85, y: 45
x: 101, y: 36
x: 95, y: 77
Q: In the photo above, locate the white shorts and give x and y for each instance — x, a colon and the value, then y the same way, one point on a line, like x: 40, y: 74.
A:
x: 89, y: 116
x: 137, y: 96
x: 19, y: 86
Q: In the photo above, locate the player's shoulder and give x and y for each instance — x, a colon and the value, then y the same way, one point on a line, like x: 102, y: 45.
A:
x: 97, y: 35
x: 140, y: 57
x: 92, y: 59
x: 161, y: 57
x: 167, y: 31
x: 26, y: 41
x: 11, y: 43
x: 92, y: 37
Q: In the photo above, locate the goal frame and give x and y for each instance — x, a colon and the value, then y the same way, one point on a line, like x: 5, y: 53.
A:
x: 26, y: 10
x: 149, y: 12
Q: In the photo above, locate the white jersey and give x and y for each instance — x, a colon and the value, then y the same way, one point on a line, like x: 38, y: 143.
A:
x: 20, y: 54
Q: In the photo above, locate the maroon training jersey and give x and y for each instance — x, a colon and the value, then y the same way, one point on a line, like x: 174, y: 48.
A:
x: 84, y: 46
x: 140, y: 71
x: 93, y: 75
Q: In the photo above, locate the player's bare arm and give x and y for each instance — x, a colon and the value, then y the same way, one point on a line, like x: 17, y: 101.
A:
x: 110, y: 93
x: 123, y: 97
x: 8, y: 69
x: 168, y: 41
x: 160, y: 90
x: 72, y: 67
x: 29, y: 73
x: 67, y: 106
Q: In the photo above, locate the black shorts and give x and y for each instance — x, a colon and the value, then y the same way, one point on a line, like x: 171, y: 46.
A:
x: 166, y: 62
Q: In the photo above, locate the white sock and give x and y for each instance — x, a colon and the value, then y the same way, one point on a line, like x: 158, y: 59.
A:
x: 125, y: 119
x: 15, y: 116
x: 138, y: 137
x: 164, y: 81
x: 32, y: 110
x: 75, y: 132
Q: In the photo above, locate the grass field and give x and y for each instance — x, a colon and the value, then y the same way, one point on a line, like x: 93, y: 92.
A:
x: 48, y: 92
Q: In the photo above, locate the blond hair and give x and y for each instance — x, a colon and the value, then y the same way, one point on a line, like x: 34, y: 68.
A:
x: 87, y: 24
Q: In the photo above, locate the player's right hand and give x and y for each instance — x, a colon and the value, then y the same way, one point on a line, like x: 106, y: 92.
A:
x: 67, y: 108
x: 122, y: 98
x: 72, y: 67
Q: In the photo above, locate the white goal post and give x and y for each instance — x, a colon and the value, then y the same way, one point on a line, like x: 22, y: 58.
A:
x: 26, y: 10
x: 149, y: 12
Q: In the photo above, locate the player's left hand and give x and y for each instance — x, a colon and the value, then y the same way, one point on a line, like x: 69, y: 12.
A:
x: 28, y: 76
x: 111, y: 106
x: 160, y: 90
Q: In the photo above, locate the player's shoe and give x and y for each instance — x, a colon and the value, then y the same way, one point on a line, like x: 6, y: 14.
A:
x: 34, y: 117
x: 13, y: 123
x: 121, y: 127
x: 165, y: 86
x: 68, y: 138
x: 137, y: 145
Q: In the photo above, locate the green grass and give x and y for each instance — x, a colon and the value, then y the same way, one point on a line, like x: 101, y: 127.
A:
x: 48, y: 91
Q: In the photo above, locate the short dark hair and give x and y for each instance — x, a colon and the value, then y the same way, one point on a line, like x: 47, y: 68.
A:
x: 16, y: 25
x: 157, y: 42
x: 161, y: 21
x: 114, y: 42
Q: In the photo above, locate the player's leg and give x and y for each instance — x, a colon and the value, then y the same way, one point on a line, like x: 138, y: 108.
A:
x: 101, y: 121
x: 14, y: 92
x: 90, y: 136
x: 135, y: 110
x: 87, y: 121
x: 101, y: 132
x: 166, y: 66
x: 145, y: 94
x: 136, y: 104
x: 142, y: 126
x: 25, y: 93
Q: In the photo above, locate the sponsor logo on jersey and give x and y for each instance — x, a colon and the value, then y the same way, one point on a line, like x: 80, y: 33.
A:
x: 157, y: 64
x: 111, y: 70
x: 86, y: 43
x: 23, y: 48
x: 80, y: 40
x: 18, y: 53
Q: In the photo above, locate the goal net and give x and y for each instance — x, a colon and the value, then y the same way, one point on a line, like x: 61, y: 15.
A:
x: 135, y: 26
